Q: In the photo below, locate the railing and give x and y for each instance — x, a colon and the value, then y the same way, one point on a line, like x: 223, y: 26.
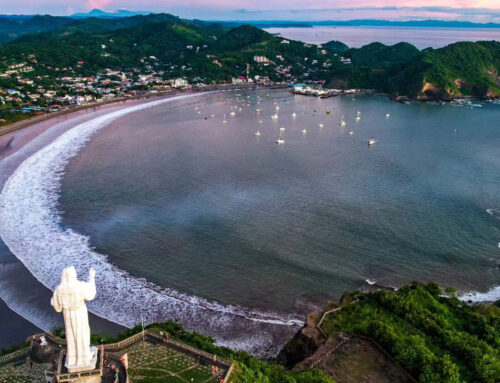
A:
x: 123, y: 343
x: 9, y: 358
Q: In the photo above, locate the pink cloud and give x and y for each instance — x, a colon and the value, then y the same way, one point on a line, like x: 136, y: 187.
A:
x: 92, y: 4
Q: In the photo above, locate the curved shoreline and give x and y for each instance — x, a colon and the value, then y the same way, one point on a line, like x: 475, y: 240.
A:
x: 31, y: 229
x: 88, y: 117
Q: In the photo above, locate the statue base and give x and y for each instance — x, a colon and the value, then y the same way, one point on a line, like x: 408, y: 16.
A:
x: 87, y: 367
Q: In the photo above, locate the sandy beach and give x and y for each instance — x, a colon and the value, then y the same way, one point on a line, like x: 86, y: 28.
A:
x: 15, y: 279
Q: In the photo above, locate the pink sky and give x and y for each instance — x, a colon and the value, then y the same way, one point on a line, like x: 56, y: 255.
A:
x: 472, y: 10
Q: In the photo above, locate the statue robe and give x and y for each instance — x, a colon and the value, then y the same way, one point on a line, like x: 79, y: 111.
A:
x: 70, y: 299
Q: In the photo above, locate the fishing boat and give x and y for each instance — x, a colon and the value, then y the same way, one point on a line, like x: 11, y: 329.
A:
x: 351, y: 133
x: 274, y: 116
x: 321, y: 125
x: 372, y: 141
x: 282, y: 129
x: 304, y: 131
x: 232, y: 113
x: 257, y: 133
x: 294, y: 114
x: 280, y: 140
x: 387, y: 115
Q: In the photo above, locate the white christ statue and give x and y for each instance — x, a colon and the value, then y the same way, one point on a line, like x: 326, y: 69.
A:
x: 69, y: 297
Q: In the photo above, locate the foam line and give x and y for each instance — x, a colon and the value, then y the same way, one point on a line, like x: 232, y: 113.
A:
x: 30, y: 225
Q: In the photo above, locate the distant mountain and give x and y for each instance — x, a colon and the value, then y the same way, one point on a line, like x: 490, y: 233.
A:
x: 13, y: 27
x: 107, y: 15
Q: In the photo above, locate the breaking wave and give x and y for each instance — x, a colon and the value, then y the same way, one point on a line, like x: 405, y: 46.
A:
x: 490, y: 296
x: 31, y: 226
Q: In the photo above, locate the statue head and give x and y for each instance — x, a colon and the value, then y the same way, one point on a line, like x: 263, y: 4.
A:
x: 68, y: 276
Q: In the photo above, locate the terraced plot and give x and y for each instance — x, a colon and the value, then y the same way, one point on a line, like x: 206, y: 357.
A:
x: 23, y: 373
x: 155, y: 363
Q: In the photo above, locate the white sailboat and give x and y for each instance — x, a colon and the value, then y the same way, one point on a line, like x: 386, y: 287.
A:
x: 304, y: 131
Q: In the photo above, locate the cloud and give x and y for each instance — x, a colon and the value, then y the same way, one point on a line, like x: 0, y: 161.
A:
x: 93, y: 4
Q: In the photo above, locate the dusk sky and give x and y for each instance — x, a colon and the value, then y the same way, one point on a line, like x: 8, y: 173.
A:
x: 470, y: 10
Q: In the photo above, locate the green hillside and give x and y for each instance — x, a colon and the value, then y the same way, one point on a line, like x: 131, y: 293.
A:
x: 460, y: 69
x: 435, y: 338
x: 209, y: 52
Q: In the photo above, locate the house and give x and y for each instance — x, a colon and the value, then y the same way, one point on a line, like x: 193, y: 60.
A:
x: 261, y: 59
x: 180, y: 82
x: 345, y: 60
x: 285, y: 42
x: 299, y: 87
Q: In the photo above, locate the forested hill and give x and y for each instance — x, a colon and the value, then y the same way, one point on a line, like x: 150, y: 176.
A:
x: 209, y: 52
x: 457, y: 70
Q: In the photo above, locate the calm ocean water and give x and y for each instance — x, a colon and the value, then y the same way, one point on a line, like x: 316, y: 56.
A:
x: 212, y: 211
x: 358, y: 36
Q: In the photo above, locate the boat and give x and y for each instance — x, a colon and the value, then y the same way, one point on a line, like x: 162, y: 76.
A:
x: 321, y: 125
x: 294, y: 114
x: 260, y: 121
x: 342, y: 122
x: 282, y: 129
x: 387, y: 115
x: 304, y: 131
x: 277, y: 108
x: 280, y: 140
x: 232, y: 113
x: 372, y: 141
x: 328, y: 111
x: 257, y: 133
x: 351, y: 133
x: 358, y: 118
x: 274, y: 116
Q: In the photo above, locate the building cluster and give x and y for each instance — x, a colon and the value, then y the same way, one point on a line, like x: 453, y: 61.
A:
x: 31, y: 87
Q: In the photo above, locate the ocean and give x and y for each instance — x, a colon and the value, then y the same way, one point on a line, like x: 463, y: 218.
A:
x: 190, y: 218
x: 356, y: 37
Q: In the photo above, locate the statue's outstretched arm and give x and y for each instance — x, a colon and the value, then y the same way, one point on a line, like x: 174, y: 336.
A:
x: 90, y: 290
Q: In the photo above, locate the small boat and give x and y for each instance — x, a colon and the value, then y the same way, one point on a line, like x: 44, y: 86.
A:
x: 321, y: 125
x: 387, y: 115
x: 454, y: 131
x: 258, y: 111
x: 328, y: 111
x: 282, y: 129
x: 351, y: 133
x: 257, y: 133
x: 232, y: 113
x: 372, y: 141
x: 294, y: 114
x: 304, y: 131
x: 280, y: 141
x: 277, y: 108
x: 274, y: 116
x: 260, y: 121
x: 358, y: 118
x: 342, y: 122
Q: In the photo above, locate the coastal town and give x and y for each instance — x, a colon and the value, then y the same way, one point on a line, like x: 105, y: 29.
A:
x: 29, y: 88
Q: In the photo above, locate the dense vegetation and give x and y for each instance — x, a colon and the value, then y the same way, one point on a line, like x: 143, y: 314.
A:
x: 210, y: 52
x: 460, y: 69
x: 435, y: 338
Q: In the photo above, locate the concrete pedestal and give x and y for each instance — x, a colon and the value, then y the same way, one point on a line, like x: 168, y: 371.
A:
x: 88, y: 367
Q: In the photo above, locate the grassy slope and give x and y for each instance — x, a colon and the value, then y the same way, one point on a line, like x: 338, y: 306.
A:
x: 436, y: 339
